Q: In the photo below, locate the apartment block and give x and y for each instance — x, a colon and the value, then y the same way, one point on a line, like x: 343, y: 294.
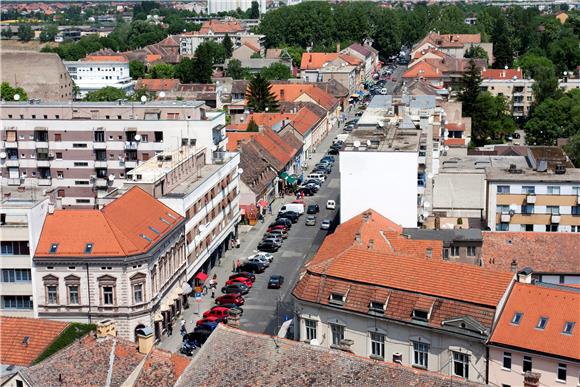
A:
x: 512, y: 85
x: 21, y: 218
x: 97, y: 72
x: 80, y: 151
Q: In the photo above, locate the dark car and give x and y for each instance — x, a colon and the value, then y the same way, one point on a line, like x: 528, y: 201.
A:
x: 207, y: 326
x: 284, y: 222
x: 244, y: 274
x: 268, y: 247
x: 329, y: 158
x: 333, y: 151
x: 275, y: 282
x: 252, y: 267
x: 306, y: 191
x: 238, y: 288
x: 290, y: 215
x: 199, y: 336
x: 313, y: 209
x: 232, y: 298
x: 232, y: 306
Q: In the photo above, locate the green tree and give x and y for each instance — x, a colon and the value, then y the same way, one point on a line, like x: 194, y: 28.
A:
x: 184, y: 70
x: 471, y: 89
x: 136, y: 69
x: 235, y: 69
x: 252, y: 126
x: 162, y: 71
x: 108, y: 93
x: 6, y: 33
x: 491, y: 119
x: 214, y: 52
x: 573, y: 149
x: 254, y: 12
x: 554, y: 118
x: 25, y: 33
x: 260, y: 96
x: 276, y: 71
x: 476, y: 52
x: 49, y: 33
x: 228, y: 45
x: 196, y: 70
x: 546, y: 84
x: 256, y: 55
x: 530, y: 62
x: 8, y: 92
x: 502, y: 47
x: 142, y: 92
x: 565, y: 53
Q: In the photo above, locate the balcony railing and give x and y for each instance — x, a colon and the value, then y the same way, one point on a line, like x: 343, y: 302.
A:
x: 131, y: 145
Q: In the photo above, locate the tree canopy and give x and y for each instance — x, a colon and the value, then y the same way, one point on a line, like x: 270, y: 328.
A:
x: 7, y: 92
x: 276, y: 71
x: 108, y: 93
x: 259, y: 95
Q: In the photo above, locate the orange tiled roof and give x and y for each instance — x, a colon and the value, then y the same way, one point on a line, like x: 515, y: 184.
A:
x: 150, y: 58
x: 221, y: 27
x: 238, y: 137
x: 559, y: 305
x: 501, y: 74
x: 157, y: 84
x: 455, y: 141
x: 287, y: 92
x: 316, y: 60
x: 40, y: 333
x: 305, y: 120
x: 106, y: 58
x: 455, y: 126
x: 423, y: 70
x: 270, y: 119
x: 116, y: 230
x: 252, y: 47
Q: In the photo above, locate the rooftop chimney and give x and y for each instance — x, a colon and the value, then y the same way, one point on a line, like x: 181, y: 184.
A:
x: 337, y: 46
x: 525, y: 275
x: 532, y: 379
x: 514, y: 265
x: 106, y: 328
x: 145, y: 339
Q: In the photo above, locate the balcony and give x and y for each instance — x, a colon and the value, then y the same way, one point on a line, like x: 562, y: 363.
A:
x: 99, y: 145
x: 44, y: 162
x: 555, y: 218
x: 101, y: 183
x: 10, y: 144
x: 12, y: 163
x: 531, y: 199
x: 15, y: 181
x: 47, y: 181
x: 131, y: 145
x: 41, y: 144
x: 100, y: 164
x: 131, y: 163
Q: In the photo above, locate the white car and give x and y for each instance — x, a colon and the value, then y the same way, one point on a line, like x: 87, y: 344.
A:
x: 325, y: 225
x: 262, y: 254
x: 330, y: 205
x: 259, y: 260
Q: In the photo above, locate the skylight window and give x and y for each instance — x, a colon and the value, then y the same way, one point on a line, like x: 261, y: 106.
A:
x: 53, y: 248
x: 88, y: 248
x: 171, y: 216
x: 542, y: 323
x: 154, y: 230
x: 164, y: 220
x: 568, y: 327
x: 145, y: 237
x: 517, y: 318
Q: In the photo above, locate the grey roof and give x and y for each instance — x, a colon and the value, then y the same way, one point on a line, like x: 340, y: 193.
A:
x: 381, y: 102
x: 461, y: 190
x: 448, y: 236
x: 420, y: 101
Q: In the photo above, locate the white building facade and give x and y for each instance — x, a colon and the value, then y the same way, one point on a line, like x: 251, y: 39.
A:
x: 93, y: 75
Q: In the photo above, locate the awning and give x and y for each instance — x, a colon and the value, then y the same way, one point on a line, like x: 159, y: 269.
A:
x: 263, y: 203
x: 186, y: 288
x: 201, y: 276
x: 284, y: 176
x: 292, y: 180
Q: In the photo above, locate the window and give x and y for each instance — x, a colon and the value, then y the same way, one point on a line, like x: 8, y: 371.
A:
x: 527, y: 227
x: 100, y: 155
x: 73, y: 294
x: 82, y: 182
x: 58, y: 155
x: 376, y: 307
x: 377, y: 345
x: 568, y: 327
x: 57, y: 137
x: 561, y: 372
x: 52, y: 294
x: 421, y: 354
x: 60, y: 174
x: 14, y: 248
x: 517, y: 318
x: 81, y: 164
x: 527, y: 364
x: 542, y: 322
x: 137, y: 293
x: 575, y: 210
x: 445, y: 253
x: 420, y: 315
x: 502, y: 227
x: 471, y: 251
x: 88, y: 248
x: 502, y: 209
x: 337, y: 333
x: 576, y: 191
x: 310, y: 329
x: 554, y: 210
x: 336, y: 299
x: 461, y: 365
x: 507, y: 360
x: 107, y: 295
x: 553, y: 190
x: 528, y: 189
x: 99, y: 136
x: 552, y: 227
x: 158, y: 136
x: 16, y: 302
x: 16, y: 275
x: 455, y: 251
x: 79, y: 145
x: 503, y: 189
x: 528, y: 209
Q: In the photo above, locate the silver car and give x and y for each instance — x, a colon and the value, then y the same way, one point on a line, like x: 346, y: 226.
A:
x: 325, y: 225
x: 310, y: 220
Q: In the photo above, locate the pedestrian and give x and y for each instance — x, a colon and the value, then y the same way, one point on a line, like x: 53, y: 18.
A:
x: 237, y: 265
x: 204, y: 289
x: 270, y: 209
x: 169, y: 329
x: 212, y: 293
x: 182, y: 328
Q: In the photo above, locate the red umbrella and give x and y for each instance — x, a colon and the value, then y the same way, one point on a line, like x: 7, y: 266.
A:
x: 262, y: 203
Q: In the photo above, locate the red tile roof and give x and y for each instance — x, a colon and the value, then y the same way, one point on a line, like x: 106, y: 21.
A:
x: 423, y: 70
x: 40, y: 333
x: 106, y: 58
x: 252, y: 47
x: 235, y: 138
x: 316, y: 60
x: 501, y: 74
x: 161, y: 368
x: 305, y: 120
x: 544, y: 252
x: 116, y: 230
x: 455, y: 141
x: 221, y: 27
x: 274, y: 148
x: 455, y: 127
x: 157, y: 85
x: 559, y: 305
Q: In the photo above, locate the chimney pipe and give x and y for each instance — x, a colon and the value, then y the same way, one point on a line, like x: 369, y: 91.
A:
x: 532, y: 379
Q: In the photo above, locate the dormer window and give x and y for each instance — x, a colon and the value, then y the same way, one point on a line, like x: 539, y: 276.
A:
x: 376, y: 307
x: 517, y: 318
x: 568, y: 327
x: 337, y: 299
x: 53, y: 248
x: 422, y: 315
x: 88, y: 248
x: 542, y: 322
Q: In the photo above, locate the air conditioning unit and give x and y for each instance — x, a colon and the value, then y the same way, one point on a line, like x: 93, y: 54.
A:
x: 531, y: 199
x: 555, y: 219
x: 505, y: 218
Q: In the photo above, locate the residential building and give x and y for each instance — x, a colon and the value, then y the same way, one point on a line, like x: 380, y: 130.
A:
x: 512, y: 85
x: 173, y: 89
x: 216, y: 6
x: 257, y: 177
x: 552, y: 257
x: 346, y: 69
x: 204, y: 190
x: 96, y: 72
x: 21, y: 218
x: 246, y: 51
x: 439, y: 69
x: 255, y: 65
x: 459, y: 245
x: 543, y: 198
x: 366, y: 53
x: 42, y: 75
x: 81, y: 151
x: 455, y: 45
x: 125, y: 263
x: 273, y: 360
x: 537, y: 331
x: 419, y: 311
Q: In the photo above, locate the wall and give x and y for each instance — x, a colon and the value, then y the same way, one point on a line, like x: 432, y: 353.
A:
x: 390, y: 181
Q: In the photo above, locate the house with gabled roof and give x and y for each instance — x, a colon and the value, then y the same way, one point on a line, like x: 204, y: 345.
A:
x: 385, y: 296
x: 347, y: 69
x: 125, y: 262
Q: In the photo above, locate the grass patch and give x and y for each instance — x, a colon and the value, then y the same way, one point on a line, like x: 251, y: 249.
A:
x: 71, y: 333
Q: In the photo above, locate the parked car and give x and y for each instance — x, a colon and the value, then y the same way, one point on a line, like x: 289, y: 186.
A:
x: 216, y: 311
x: 275, y: 282
x: 272, y: 239
x: 199, y: 336
x: 330, y: 158
x: 280, y: 233
x: 244, y: 274
x: 268, y: 247
x: 259, y: 260
x: 277, y: 227
x: 235, y: 288
x: 231, y: 306
x: 333, y: 151
x: 283, y: 222
x: 210, y: 319
x: 252, y: 267
x: 208, y: 327
x: 268, y: 256
x: 232, y: 298
x: 305, y: 191
x: 316, y: 182
x: 310, y: 220
x: 313, y: 209
x: 325, y: 225
x: 294, y: 207
x: 292, y: 216
x: 330, y: 205
x: 240, y: 280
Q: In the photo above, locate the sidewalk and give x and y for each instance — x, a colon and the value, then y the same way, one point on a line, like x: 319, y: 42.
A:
x: 248, y: 242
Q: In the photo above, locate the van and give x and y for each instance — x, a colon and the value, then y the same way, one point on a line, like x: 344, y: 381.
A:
x: 318, y: 176
x: 330, y: 205
x: 295, y: 207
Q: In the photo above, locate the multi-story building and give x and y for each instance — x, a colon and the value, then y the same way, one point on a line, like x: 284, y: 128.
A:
x: 382, y: 295
x: 125, y: 262
x: 204, y: 190
x: 541, y: 199
x: 537, y: 332
x: 512, y: 85
x: 83, y: 150
x: 216, y: 6
x: 97, y: 72
x: 21, y: 218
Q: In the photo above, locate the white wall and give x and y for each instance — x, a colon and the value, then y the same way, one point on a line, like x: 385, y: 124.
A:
x: 383, y: 181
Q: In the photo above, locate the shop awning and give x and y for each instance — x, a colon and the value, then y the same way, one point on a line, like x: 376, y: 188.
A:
x: 262, y: 203
x: 292, y: 180
x: 284, y: 176
x: 201, y: 276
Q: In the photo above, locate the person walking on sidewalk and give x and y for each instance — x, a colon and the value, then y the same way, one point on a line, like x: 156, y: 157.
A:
x: 182, y: 329
x: 169, y: 329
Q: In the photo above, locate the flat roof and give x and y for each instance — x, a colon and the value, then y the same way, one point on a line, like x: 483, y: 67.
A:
x: 386, y: 139
x: 572, y: 175
x: 16, y: 197
x: 481, y: 163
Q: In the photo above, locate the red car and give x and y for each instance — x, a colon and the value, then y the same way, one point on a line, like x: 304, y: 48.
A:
x: 232, y: 298
x: 278, y: 227
x: 240, y: 280
x: 217, y: 311
x: 209, y: 319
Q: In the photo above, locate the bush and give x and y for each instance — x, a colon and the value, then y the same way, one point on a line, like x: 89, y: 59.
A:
x: 71, y: 333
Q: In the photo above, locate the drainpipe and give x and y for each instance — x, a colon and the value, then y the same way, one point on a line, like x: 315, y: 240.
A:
x: 89, y: 294
x: 486, y: 364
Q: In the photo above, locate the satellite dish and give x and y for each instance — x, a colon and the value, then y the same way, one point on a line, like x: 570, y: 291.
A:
x: 2, y: 155
x: 137, y: 137
x: 17, y: 97
x: 111, y: 177
x: 426, y: 204
x: 240, y: 171
x: 162, y: 94
x: 381, y: 124
x: 143, y: 98
x: 356, y: 144
x: 506, y: 67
